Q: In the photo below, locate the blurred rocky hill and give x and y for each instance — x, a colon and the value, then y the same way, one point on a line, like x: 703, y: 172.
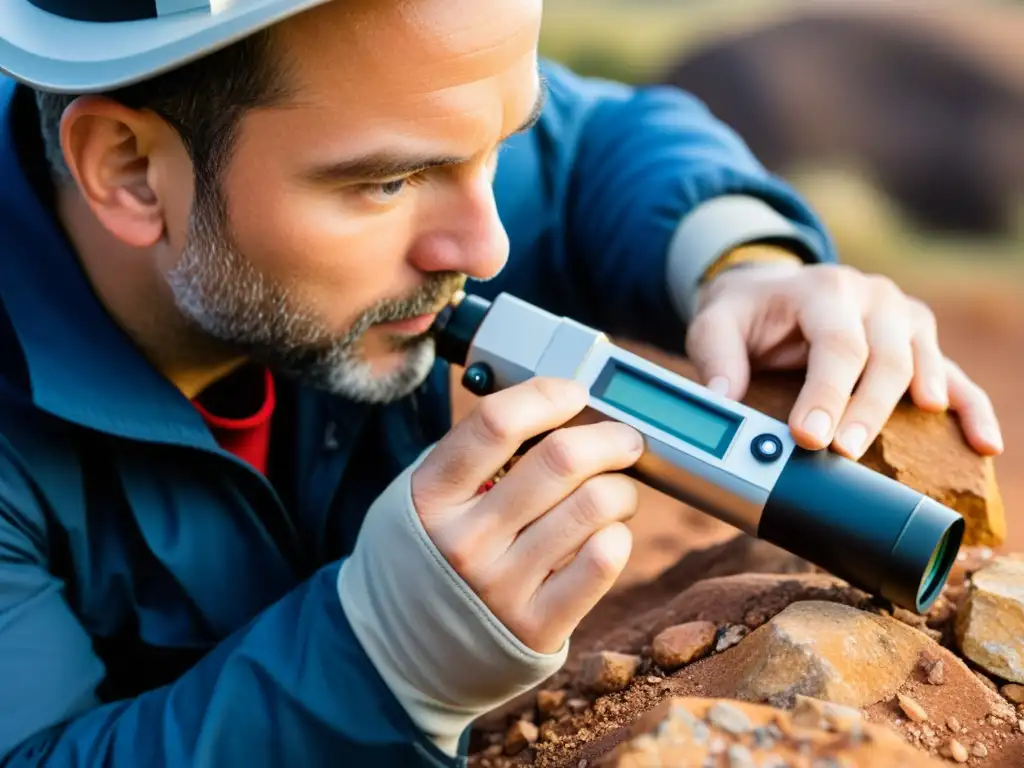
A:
x: 929, y: 106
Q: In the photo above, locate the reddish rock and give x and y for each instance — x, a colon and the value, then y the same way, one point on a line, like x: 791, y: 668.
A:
x: 683, y: 643
x: 608, y: 671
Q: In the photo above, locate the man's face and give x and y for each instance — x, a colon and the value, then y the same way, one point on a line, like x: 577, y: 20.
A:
x: 349, y: 216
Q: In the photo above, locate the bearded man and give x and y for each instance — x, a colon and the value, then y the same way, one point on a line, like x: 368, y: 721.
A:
x: 237, y: 527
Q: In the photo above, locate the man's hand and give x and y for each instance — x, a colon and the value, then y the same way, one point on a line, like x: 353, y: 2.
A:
x: 548, y: 541
x: 863, y: 342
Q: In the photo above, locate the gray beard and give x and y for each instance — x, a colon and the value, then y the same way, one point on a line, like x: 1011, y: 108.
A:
x: 224, y: 296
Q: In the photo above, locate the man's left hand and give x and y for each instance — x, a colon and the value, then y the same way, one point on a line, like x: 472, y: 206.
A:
x: 863, y: 342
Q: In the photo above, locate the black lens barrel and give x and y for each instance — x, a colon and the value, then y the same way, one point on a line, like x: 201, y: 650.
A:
x: 866, y: 528
x: 455, y: 327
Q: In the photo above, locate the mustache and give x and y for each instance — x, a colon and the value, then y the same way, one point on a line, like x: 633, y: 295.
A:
x: 431, y: 297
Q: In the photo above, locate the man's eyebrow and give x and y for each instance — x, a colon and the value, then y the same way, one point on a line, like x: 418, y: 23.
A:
x: 388, y: 165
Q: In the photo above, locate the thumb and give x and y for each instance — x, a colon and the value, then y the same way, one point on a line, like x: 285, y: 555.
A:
x: 716, y: 343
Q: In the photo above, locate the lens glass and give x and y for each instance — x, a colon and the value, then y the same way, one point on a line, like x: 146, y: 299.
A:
x: 935, y: 571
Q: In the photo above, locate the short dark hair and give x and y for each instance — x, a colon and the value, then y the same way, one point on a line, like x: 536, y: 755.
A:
x: 204, y: 101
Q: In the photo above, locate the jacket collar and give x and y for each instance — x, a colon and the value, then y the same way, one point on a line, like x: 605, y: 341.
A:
x: 82, y: 366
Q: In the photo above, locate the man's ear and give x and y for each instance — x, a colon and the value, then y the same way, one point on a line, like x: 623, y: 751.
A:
x: 110, y: 151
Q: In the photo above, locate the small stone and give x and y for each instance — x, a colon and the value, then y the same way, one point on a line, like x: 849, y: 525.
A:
x: 937, y: 674
x: 978, y: 749
x: 911, y: 708
x: 652, y: 680
x: 991, y: 622
x: 683, y: 643
x: 608, y: 671
x: 1020, y: 726
x: 953, y: 724
x: 549, y: 702
x: 766, y: 737
x: 730, y: 637
x: 577, y: 705
x: 1014, y: 692
x: 740, y: 757
x: 520, y: 735
x: 729, y: 719
x: 494, y: 750
x: 581, y: 764
x: 957, y: 751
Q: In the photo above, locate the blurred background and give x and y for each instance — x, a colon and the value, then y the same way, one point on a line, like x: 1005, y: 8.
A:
x: 902, y: 123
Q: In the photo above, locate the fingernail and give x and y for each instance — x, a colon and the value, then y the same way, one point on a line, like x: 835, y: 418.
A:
x: 719, y: 385
x: 938, y: 392
x: 853, y: 438
x: 994, y: 437
x: 818, y: 423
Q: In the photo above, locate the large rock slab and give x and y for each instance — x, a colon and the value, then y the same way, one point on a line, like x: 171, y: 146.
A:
x: 690, y: 731
x: 990, y: 623
x: 828, y: 651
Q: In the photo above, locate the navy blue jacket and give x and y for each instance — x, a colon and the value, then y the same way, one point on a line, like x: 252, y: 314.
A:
x: 163, y: 604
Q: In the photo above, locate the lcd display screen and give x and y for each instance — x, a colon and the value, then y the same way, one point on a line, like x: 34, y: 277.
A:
x: 669, y: 409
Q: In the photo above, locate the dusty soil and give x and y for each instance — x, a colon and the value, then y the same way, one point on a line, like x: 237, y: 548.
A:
x: 982, y: 328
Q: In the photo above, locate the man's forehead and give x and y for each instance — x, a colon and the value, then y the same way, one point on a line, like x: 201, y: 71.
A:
x: 411, y: 45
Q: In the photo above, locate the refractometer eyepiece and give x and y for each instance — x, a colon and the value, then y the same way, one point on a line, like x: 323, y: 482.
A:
x: 455, y: 327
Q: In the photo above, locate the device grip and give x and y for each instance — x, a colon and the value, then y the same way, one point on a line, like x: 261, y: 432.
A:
x: 866, y: 528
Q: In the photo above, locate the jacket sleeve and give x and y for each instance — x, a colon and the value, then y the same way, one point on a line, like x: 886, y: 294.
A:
x: 613, y: 185
x: 294, y: 687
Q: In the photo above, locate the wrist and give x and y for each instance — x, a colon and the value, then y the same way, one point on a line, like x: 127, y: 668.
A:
x: 751, y: 255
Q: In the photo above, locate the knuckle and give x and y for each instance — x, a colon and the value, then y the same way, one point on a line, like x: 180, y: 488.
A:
x: 847, y: 344
x: 559, y: 454
x: 492, y: 422
x: 591, y: 505
x: 896, y: 362
x: 885, y: 287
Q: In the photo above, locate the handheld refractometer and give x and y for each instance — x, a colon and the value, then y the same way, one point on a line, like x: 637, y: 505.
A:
x: 717, y: 455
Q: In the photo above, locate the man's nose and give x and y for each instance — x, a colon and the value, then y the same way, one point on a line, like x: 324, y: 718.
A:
x: 465, y: 231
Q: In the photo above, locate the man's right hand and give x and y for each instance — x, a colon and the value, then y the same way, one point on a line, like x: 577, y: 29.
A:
x: 548, y: 541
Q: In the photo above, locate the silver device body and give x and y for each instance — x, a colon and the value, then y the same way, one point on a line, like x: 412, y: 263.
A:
x: 518, y: 341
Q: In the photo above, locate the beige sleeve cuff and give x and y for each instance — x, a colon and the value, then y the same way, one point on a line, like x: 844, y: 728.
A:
x: 440, y: 650
x: 710, y: 231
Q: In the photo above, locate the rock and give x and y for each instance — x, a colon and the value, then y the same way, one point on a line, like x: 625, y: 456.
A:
x: 937, y: 674
x: 968, y: 561
x: 731, y: 636
x: 956, y: 750
x: 978, y: 749
x: 728, y: 717
x: 685, y: 731
x: 911, y: 708
x: 607, y: 671
x: 1014, y: 692
x: 683, y: 643
x: 953, y: 724
x: 990, y: 625
x: 549, y: 702
x: 520, y: 735
x: 809, y: 712
x: 925, y: 451
x: 827, y: 651
x: 986, y: 682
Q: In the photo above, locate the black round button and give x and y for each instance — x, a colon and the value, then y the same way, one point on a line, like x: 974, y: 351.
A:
x: 766, y: 448
x: 479, y: 379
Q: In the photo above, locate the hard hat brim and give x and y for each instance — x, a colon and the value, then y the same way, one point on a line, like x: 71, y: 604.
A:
x: 60, y: 55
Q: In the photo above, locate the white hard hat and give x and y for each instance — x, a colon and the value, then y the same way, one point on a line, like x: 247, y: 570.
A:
x: 90, y: 46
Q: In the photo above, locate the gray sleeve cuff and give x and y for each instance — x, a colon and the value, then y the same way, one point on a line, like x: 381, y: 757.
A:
x: 713, y: 229
x: 442, y: 652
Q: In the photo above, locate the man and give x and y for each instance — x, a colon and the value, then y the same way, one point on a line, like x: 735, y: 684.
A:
x: 236, y: 525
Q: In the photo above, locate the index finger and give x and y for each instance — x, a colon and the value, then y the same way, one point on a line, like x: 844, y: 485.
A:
x: 485, y: 440
x: 838, y: 352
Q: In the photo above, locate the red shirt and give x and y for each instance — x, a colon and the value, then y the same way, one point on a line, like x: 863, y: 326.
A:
x: 238, y: 411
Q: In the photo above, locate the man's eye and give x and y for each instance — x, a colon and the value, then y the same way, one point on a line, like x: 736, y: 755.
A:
x: 392, y: 188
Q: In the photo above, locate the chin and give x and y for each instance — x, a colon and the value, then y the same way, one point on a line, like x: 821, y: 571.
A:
x: 383, y: 378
